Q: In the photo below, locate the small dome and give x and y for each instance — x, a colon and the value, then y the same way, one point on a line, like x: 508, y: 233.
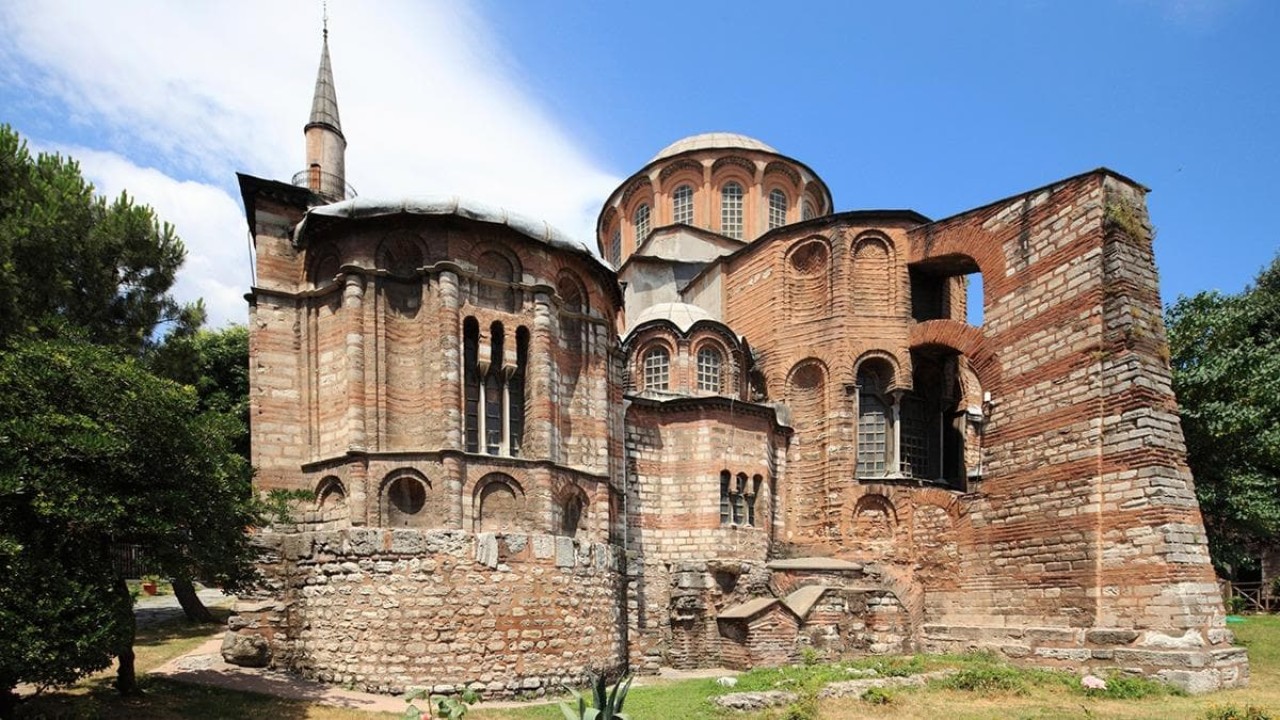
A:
x: 712, y: 140
x: 682, y: 315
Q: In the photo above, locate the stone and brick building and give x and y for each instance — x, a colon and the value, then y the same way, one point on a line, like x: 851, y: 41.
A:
x: 757, y: 425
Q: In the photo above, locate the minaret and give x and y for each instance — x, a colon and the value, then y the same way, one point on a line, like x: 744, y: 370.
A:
x: 326, y: 146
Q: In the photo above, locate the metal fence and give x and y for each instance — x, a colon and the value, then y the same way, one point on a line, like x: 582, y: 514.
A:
x: 129, y: 560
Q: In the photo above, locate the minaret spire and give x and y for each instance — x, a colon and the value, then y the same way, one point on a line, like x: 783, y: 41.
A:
x: 326, y: 145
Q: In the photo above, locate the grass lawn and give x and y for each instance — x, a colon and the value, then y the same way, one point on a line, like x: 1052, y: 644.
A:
x: 997, y: 691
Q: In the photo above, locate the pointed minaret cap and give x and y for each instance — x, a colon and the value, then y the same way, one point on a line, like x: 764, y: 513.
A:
x: 324, y: 106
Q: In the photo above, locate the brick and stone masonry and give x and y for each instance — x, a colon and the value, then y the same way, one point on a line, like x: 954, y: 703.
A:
x: 760, y: 426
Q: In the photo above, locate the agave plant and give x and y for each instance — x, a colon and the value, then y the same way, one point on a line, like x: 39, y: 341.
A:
x: 606, y: 705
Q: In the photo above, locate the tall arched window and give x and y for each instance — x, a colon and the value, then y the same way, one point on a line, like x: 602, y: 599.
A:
x: 640, y: 220
x: 873, y: 421
x: 731, y: 210
x: 657, y: 369
x: 615, y: 246
x: 682, y: 205
x: 710, y: 365
x: 777, y: 209
x: 493, y: 395
x: 807, y: 212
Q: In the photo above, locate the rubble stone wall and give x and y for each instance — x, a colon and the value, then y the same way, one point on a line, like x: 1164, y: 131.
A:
x: 383, y: 610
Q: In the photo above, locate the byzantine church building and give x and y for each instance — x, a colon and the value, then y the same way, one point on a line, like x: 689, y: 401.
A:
x: 747, y: 425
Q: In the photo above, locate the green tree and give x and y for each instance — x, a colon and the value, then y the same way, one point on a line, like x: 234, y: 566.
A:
x: 94, y: 449
x: 215, y: 363
x: 1225, y: 352
x: 70, y: 258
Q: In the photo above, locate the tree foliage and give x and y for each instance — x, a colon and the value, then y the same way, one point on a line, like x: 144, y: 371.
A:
x: 1225, y: 352
x: 95, y: 446
x: 94, y: 450
x: 71, y: 258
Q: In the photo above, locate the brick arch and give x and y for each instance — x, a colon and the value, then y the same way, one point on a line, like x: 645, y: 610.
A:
x: 498, y: 503
x: 983, y: 248
x: 323, y: 265
x: 564, y: 494
x: 663, y: 335
x: 777, y: 167
x: 867, y: 526
x: 639, y: 189
x: 965, y: 339
x: 808, y: 278
x: 900, y: 369
x: 873, y: 286
x: 684, y: 165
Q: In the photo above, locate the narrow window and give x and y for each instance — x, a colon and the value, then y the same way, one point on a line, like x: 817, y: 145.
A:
x: 682, y: 205
x: 777, y: 209
x: 731, y: 210
x: 739, y: 501
x: 657, y: 366
x: 725, y: 511
x: 615, y: 246
x: 915, y: 438
x: 709, y: 367
x: 756, y: 482
x: 572, y: 516
x: 807, y: 212
x: 471, y: 381
x: 493, y: 392
x: 515, y: 392
x: 873, y: 424
x: 641, y: 222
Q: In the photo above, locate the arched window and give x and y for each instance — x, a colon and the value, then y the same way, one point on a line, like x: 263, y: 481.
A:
x: 777, y: 209
x: 493, y: 395
x: 657, y: 369
x: 682, y: 205
x: 738, y: 499
x: 806, y: 211
x: 710, y: 364
x: 731, y: 210
x: 873, y: 421
x: 641, y: 222
x: 615, y: 246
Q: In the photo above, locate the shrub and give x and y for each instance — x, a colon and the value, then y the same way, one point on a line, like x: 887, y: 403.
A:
x: 877, y: 696
x: 986, y: 680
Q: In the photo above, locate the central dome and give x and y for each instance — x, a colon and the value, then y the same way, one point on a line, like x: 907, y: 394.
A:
x: 712, y: 140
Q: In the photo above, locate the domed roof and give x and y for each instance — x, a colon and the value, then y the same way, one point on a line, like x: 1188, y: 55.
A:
x: 712, y: 140
x: 682, y: 315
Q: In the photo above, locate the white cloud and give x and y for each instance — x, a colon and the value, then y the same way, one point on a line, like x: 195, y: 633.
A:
x: 429, y: 105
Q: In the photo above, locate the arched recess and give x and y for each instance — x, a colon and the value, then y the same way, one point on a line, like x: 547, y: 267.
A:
x: 808, y: 279
x: 323, y: 268
x: 403, y: 499
x: 331, y: 499
x: 569, y: 511
x: 872, y: 285
x: 499, y: 504
x: 875, y: 519
x: 807, y: 399
x: 399, y: 255
x: 497, y: 272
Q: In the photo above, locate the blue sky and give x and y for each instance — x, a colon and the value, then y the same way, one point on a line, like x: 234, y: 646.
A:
x: 544, y: 106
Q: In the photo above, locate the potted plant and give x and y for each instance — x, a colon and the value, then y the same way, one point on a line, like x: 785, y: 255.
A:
x: 150, y: 584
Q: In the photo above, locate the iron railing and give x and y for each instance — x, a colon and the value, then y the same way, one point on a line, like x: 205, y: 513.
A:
x: 325, y: 184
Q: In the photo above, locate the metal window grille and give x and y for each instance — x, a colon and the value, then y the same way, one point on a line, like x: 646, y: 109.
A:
x: 709, y: 369
x: 777, y: 209
x: 682, y: 205
x: 657, y: 366
x: 641, y: 222
x: 731, y: 210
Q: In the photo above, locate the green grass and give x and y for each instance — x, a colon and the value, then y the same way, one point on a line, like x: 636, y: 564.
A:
x: 984, y: 687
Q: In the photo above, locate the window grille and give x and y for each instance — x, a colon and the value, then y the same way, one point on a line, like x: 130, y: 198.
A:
x: 731, y: 210
x: 710, y: 364
x: 641, y: 222
x: 682, y: 205
x: 777, y: 209
x: 657, y: 367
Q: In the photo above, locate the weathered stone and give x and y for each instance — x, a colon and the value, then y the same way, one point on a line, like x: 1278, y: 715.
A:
x: 1103, y: 636
x: 246, y: 650
x: 755, y: 700
x: 487, y: 550
x: 566, y: 554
